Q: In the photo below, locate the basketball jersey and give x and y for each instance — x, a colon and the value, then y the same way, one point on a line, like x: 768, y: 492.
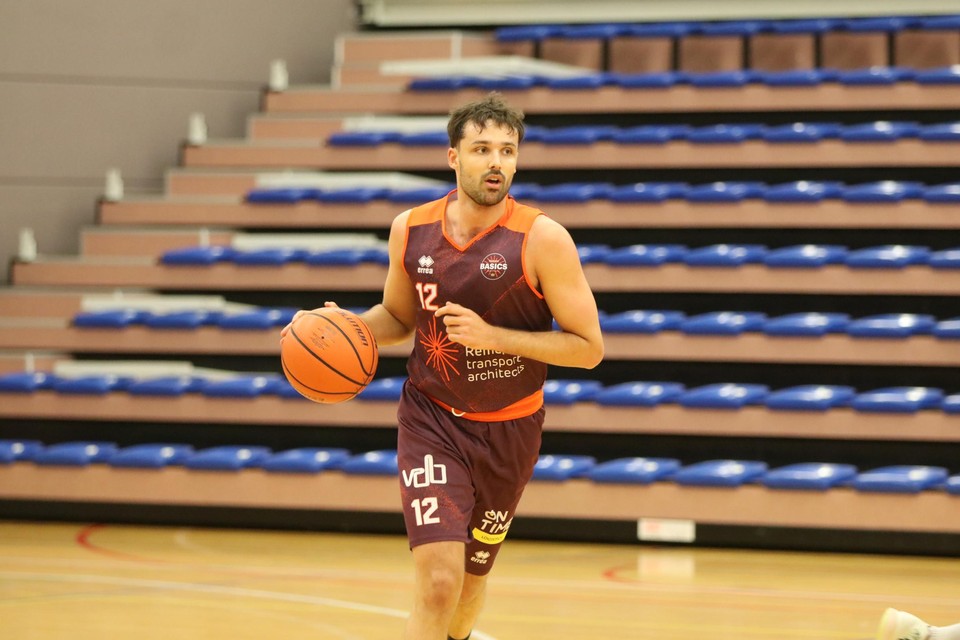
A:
x: 486, y: 275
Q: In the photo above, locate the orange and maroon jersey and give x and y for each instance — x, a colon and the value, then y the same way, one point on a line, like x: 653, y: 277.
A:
x: 488, y: 276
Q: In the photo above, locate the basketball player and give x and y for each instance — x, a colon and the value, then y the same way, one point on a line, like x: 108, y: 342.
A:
x: 478, y: 279
x: 900, y: 625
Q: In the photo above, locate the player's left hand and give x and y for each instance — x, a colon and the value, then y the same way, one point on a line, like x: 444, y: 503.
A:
x: 464, y: 326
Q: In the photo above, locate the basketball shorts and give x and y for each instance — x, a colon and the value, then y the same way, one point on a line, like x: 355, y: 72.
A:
x: 461, y: 480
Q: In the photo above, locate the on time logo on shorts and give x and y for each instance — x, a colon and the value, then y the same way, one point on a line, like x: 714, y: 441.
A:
x: 493, y: 266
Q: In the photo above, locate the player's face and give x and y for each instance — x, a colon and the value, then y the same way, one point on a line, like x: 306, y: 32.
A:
x: 485, y: 162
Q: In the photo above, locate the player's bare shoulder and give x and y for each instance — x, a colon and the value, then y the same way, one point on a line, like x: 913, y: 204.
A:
x: 548, y: 237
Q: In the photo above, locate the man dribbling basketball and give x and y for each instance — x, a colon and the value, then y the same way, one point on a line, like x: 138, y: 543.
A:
x: 478, y: 279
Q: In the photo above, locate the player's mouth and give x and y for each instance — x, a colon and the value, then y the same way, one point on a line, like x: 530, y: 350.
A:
x: 494, y: 180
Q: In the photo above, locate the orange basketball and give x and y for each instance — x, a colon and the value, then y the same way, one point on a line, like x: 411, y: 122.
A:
x: 329, y: 355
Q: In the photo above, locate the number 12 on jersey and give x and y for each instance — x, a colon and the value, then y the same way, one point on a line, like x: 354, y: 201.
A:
x: 425, y: 511
x: 428, y: 295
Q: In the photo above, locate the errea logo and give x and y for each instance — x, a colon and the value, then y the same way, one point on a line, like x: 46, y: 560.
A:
x: 426, y: 265
x: 480, y: 557
x: 493, y: 266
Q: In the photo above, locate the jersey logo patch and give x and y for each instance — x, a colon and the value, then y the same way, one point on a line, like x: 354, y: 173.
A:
x: 441, y: 352
x: 426, y: 265
x: 493, y: 266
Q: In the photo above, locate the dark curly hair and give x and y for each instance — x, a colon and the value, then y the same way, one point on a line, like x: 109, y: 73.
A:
x: 492, y: 108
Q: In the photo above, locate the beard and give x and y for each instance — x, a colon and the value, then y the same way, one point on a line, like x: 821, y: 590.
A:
x: 483, y: 195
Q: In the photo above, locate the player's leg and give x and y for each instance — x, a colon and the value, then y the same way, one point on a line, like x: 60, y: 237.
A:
x: 900, y: 625
x: 472, y: 597
x: 438, y: 582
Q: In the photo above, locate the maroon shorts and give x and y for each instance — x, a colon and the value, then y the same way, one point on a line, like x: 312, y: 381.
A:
x: 461, y: 480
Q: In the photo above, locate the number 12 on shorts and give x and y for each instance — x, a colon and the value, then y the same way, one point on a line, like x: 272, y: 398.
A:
x: 425, y: 510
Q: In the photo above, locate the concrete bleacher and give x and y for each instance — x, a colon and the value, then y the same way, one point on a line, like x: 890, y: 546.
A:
x: 211, y: 267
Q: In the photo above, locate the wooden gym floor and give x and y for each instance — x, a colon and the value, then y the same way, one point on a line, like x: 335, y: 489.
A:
x: 77, y: 582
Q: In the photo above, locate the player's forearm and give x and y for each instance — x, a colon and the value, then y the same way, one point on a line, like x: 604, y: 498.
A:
x: 559, y: 348
x: 386, y: 327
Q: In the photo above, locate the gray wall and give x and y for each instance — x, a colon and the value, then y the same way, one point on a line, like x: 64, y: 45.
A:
x: 89, y: 85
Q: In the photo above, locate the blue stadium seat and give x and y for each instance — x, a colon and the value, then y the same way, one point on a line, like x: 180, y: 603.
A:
x: 952, y: 485
x: 509, y: 83
x: 732, y: 27
x: 725, y: 191
x: 382, y: 462
x: 670, y: 29
x: 281, y: 195
x: 171, y: 386
x: 558, y: 468
x: 942, y: 75
x: 725, y: 255
x: 951, y: 404
x: 880, y: 131
x: 424, y: 139
x: 185, y: 319
x: 91, y: 384
x: 633, y: 470
x: 383, y: 389
x: 815, y: 476
x: 419, y: 194
x: 361, y: 138
x: 197, y: 256
x: 151, y: 456
x: 721, y: 79
x: 805, y: 256
x: 887, y: 257
x: 874, y: 76
x: 652, y: 80
x: 646, y: 254
x: 724, y: 395
x: 578, y: 134
x: 942, y: 193
x: 574, y: 192
x: 75, y: 454
x: 884, y: 191
x: 939, y: 23
x: 525, y: 190
x: 793, y: 77
x: 945, y: 259
x: 892, y: 325
x: 898, y: 400
x: 594, y: 31
x: 442, y: 83
x: 586, y: 81
x: 567, y: 392
x: 725, y: 323
x: 812, y: 397
x: 947, y: 329
x: 639, y: 394
x: 806, y: 324
x: 227, y: 458
x: 720, y: 473
x: 945, y: 132
x: 724, y: 133
x: 527, y: 32
x: 651, y: 134
x: 900, y: 479
x: 590, y: 253
x: 109, y: 318
x: 26, y: 381
x: 335, y: 257
x: 805, y: 25
x: 268, y: 256
x: 801, y: 132
x: 19, y: 450
x: 649, y: 192
x: 880, y: 23
x: 243, y: 386
x: 263, y: 318
x: 641, y: 321
x: 351, y: 194
x: 305, y: 460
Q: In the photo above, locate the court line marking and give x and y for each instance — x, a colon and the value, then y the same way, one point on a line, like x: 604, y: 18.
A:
x: 218, y: 590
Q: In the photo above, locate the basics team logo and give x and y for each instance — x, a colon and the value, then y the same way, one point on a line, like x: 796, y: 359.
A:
x: 493, y: 266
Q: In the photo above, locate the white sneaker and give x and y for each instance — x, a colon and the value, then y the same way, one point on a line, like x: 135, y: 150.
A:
x: 900, y: 625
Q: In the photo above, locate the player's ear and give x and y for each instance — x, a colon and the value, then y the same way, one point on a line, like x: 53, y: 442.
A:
x: 452, y: 158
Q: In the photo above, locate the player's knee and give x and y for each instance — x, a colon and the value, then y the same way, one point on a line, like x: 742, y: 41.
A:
x: 441, y: 589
